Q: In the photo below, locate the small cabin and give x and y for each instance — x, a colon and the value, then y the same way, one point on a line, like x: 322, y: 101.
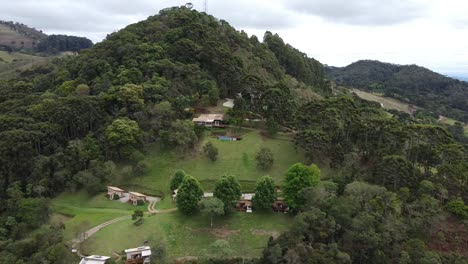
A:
x: 139, y: 255
x: 135, y: 197
x: 245, y: 203
x: 210, y: 120
x: 113, y: 191
x: 280, y: 206
x: 95, y: 259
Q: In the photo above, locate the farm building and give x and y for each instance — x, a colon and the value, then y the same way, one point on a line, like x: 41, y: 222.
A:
x: 113, y: 191
x: 139, y: 255
x: 245, y: 203
x: 280, y: 205
x: 209, y: 120
x: 94, y: 259
x: 135, y: 197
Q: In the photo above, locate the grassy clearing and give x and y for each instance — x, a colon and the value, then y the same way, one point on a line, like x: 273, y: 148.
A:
x: 247, y: 234
x: 12, y: 62
x: 388, y: 103
x: 235, y: 157
x: 80, y: 211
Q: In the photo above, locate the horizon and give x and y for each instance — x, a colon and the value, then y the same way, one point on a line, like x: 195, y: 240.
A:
x: 378, y: 36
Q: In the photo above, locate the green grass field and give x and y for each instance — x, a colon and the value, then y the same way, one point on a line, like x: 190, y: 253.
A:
x: 388, y: 103
x: 10, y: 63
x: 235, y: 157
x: 80, y: 211
x: 247, y: 234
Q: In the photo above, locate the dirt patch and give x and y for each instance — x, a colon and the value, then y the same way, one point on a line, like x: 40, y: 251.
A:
x: 450, y: 236
x: 220, y: 233
x: 260, y: 232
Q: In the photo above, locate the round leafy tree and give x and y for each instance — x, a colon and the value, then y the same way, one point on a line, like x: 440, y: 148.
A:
x: 177, y: 179
x: 298, y: 177
x: 189, y: 195
x: 264, y: 159
x: 265, y: 193
x: 212, y: 206
x: 228, y: 190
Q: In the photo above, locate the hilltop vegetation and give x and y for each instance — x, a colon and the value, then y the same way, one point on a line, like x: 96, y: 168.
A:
x: 409, y: 83
x: 112, y: 112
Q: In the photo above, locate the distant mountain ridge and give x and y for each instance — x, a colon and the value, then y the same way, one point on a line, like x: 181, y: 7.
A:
x: 16, y: 36
x: 410, y: 83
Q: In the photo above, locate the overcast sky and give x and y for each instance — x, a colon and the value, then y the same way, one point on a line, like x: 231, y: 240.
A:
x: 431, y: 33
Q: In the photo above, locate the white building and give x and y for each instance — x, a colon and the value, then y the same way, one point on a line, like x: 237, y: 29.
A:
x: 139, y: 255
x: 94, y: 259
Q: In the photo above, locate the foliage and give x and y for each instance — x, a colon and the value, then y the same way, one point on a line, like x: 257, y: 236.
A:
x: 189, y: 195
x: 265, y: 193
x: 458, y: 208
x: 137, y: 214
x: 58, y: 43
x: 228, y: 190
x: 264, y: 158
x: 417, y: 85
x: 213, y: 207
x: 211, y: 151
x: 298, y: 177
x: 177, y: 179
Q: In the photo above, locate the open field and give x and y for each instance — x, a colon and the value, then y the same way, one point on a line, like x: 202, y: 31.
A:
x: 235, y: 157
x: 247, y: 234
x: 450, y: 121
x: 80, y: 211
x: 387, y: 102
x: 11, y: 62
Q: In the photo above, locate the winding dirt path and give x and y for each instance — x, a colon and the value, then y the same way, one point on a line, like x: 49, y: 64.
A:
x: 151, y: 210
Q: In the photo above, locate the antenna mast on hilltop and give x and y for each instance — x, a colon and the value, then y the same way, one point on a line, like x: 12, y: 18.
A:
x: 206, y: 6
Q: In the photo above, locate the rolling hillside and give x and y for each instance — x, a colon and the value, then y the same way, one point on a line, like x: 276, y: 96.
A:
x: 409, y: 83
x: 17, y: 36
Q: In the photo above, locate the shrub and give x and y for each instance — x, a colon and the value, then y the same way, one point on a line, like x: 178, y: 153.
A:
x: 116, y: 197
x: 141, y: 168
x: 211, y: 151
x: 140, y: 202
x: 264, y: 159
x: 458, y: 208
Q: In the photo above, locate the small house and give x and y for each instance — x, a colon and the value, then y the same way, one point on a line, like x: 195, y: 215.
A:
x: 245, y: 203
x: 94, y: 259
x: 280, y: 206
x: 210, y: 120
x: 139, y: 255
x: 135, y: 197
x: 113, y: 191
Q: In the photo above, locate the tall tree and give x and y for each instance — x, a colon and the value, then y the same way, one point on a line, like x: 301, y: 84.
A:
x: 265, y: 193
x: 189, y: 195
x: 298, y: 177
x: 228, y: 190
x: 213, y: 207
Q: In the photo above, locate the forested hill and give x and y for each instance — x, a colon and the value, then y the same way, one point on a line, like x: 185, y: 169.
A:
x: 20, y: 37
x: 410, y: 83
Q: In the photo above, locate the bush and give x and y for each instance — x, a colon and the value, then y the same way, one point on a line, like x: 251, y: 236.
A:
x: 116, y: 197
x: 458, y: 208
x: 137, y: 214
x: 140, y: 202
x: 264, y: 159
x: 141, y: 168
x: 138, y: 222
x: 211, y: 151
